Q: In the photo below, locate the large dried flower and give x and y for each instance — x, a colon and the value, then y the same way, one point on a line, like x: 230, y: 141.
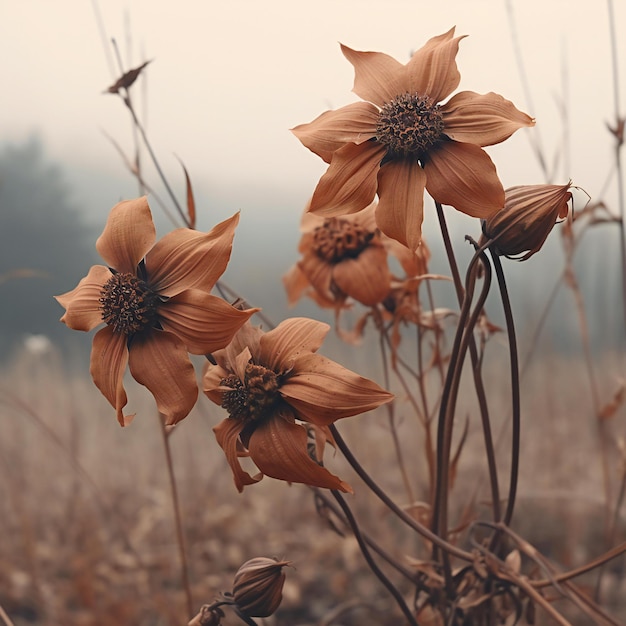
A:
x: 402, y: 140
x: 155, y: 302
x: 341, y: 257
x: 258, y: 586
x: 530, y: 213
x: 268, y: 383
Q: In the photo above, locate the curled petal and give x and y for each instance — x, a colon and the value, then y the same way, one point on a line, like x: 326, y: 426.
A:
x: 377, y: 76
x: 109, y: 357
x: 463, y: 176
x: 483, y: 120
x: 278, y: 448
x: 159, y: 362
x: 318, y: 273
x: 82, y: 304
x: 354, y: 123
x: 188, y: 259
x: 204, y: 322
x: 227, y: 435
x: 128, y: 235
x: 400, y: 209
x: 212, y: 382
x: 322, y: 391
x: 349, y: 184
x: 293, y: 337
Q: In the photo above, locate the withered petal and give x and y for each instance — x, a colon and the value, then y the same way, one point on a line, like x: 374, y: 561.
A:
x: 82, y: 304
x: 159, y: 361
x: 482, y: 119
x: 318, y: 273
x: 212, y: 381
x: 463, y: 176
x: 295, y: 283
x: 188, y: 259
x: 128, y: 235
x: 278, y: 448
x: 400, y: 209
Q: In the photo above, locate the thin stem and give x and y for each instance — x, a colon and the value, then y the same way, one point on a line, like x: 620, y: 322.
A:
x: 5, y: 618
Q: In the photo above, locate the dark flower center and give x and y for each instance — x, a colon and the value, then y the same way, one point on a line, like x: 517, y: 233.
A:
x: 252, y: 399
x: 409, y: 125
x: 128, y: 304
x: 338, y: 239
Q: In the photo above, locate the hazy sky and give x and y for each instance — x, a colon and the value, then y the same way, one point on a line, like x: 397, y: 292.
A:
x: 230, y: 78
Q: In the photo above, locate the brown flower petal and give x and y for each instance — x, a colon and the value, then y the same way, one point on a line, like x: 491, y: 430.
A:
x: 128, y: 235
x: 367, y: 278
x: 295, y: 282
x: 278, y: 448
x: 463, y: 176
x: 82, y: 305
x: 354, y: 123
x: 318, y: 273
x: 160, y: 363
x: 189, y: 314
x: 188, y: 259
x: 212, y: 381
x: 483, y: 120
x: 109, y: 357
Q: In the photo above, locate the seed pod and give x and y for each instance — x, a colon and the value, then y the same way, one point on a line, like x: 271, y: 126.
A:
x: 258, y: 586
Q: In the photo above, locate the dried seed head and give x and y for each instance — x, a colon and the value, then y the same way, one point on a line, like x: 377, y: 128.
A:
x: 258, y: 586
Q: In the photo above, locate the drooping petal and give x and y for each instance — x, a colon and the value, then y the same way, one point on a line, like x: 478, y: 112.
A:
x: 318, y: 273
x: 400, y: 209
x: 227, y: 435
x: 432, y: 70
x: 349, y: 184
x: 188, y: 259
x: 82, y: 304
x: 482, y: 119
x: 367, y: 278
x: 109, y: 357
x: 278, y: 448
x: 295, y: 283
x: 463, y: 176
x: 204, y: 322
x: 159, y: 362
x: 128, y: 235
x: 322, y: 391
x: 354, y: 123
x: 293, y: 337
x: 377, y: 76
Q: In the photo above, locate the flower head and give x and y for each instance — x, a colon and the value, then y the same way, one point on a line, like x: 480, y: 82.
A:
x: 268, y: 383
x: 402, y: 140
x: 530, y: 213
x: 154, y: 299
x: 258, y: 586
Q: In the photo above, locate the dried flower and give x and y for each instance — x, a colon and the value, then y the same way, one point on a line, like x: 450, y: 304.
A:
x: 155, y: 302
x: 341, y: 257
x: 529, y: 214
x: 258, y: 586
x: 267, y: 381
x: 209, y: 615
x: 401, y: 140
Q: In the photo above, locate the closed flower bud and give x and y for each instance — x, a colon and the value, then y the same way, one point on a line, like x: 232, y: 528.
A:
x: 528, y: 216
x: 258, y: 586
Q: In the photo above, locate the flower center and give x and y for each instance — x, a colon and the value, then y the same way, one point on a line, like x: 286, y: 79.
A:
x: 338, y: 239
x: 127, y: 304
x: 409, y: 125
x: 251, y: 399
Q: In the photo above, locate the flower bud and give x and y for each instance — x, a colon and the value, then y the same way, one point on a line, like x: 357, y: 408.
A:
x: 528, y: 216
x: 258, y: 586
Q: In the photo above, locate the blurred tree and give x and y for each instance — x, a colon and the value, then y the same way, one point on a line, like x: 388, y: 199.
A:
x: 46, y: 246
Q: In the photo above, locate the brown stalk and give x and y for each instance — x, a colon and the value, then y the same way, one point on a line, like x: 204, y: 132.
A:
x: 5, y: 618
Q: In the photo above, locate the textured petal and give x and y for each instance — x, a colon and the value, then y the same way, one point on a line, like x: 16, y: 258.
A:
x: 293, y: 337
x: 432, y: 70
x: 400, y: 209
x: 483, y: 120
x: 128, y: 235
x: 463, y: 176
x: 323, y: 391
x: 377, y: 76
x: 109, y: 357
x: 367, y: 278
x: 278, y: 448
x: 349, y: 184
x: 188, y: 259
x: 227, y: 435
x: 159, y: 362
x: 319, y: 274
x: 82, y: 304
x: 204, y: 322
x: 354, y: 123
